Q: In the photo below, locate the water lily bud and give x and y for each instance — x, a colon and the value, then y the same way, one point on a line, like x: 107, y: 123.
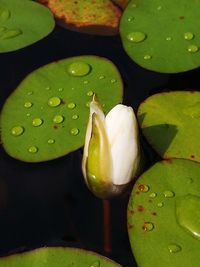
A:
x: 111, y: 157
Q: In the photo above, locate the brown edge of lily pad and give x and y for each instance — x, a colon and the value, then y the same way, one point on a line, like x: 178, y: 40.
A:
x: 121, y: 3
x: 89, y: 28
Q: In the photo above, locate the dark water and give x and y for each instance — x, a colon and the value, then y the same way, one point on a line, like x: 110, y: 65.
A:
x: 48, y: 203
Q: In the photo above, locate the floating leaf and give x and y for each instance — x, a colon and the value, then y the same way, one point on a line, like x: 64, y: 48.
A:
x: 46, y: 116
x: 170, y: 122
x: 171, y: 40
x: 52, y: 257
x: 17, y: 30
x: 164, y: 219
x: 96, y: 17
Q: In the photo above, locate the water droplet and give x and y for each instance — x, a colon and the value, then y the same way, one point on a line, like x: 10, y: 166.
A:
x: 51, y: 141
x: 75, y: 117
x: 95, y: 264
x: 159, y: 7
x: 147, y: 57
x: 168, y: 194
x: 160, y: 204
x: 168, y: 38
x: 54, y: 101
x: 85, y: 82
x: 74, y: 131
x: 188, y: 36
x: 17, y: 130
x: 90, y: 93
x: 113, y: 81
x: 133, y: 5
x: 148, y: 226
x: 193, y: 48
x: 143, y: 188
x: 79, y: 69
x: 136, y: 37
x: 10, y: 34
x: 47, y: 88
x: 71, y: 105
x: 60, y: 89
x: 130, y: 19
x: 28, y: 104
x: 101, y: 77
x: 28, y: 114
x: 87, y: 104
x: 37, y: 122
x: 4, y: 14
x: 174, y: 248
x: 153, y: 195
x: 30, y: 93
x: 58, y: 119
x: 33, y: 149
x: 188, y: 214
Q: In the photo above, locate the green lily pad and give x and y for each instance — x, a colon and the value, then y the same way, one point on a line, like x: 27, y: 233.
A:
x: 163, y: 215
x: 170, y: 122
x: 17, y: 30
x: 162, y: 35
x: 99, y: 17
x: 46, y: 116
x: 57, y: 257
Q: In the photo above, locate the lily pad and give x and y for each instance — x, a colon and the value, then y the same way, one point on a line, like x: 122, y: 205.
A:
x: 57, y: 256
x: 170, y: 122
x: 46, y: 116
x: 17, y: 30
x: 99, y: 17
x: 162, y: 35
x: 163, y: 215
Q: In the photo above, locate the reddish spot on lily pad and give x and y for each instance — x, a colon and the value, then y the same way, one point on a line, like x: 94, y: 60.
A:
x: 140, y: 208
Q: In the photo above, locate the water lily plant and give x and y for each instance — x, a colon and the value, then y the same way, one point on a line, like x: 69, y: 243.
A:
x: 111, y: 156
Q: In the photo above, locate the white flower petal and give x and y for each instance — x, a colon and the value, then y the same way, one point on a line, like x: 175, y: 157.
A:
x: 122, y: 133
